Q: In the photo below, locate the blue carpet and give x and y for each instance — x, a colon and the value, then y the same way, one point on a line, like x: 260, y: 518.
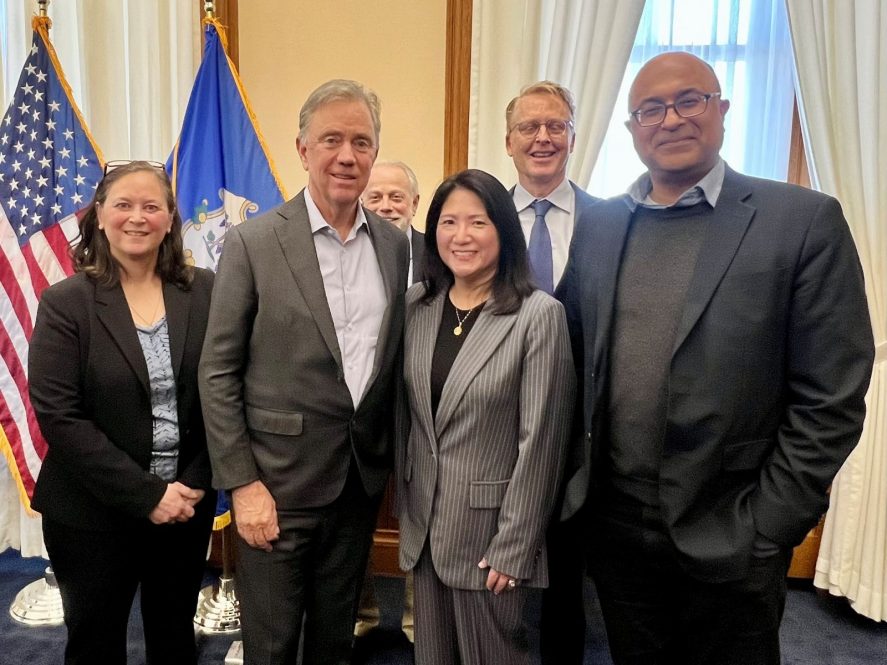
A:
x: 818, y: 629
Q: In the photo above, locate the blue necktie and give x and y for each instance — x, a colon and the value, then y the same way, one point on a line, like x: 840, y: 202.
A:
x: 540, y: 248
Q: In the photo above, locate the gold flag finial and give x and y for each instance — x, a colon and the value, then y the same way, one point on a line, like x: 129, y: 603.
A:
x: 209, y: 7
x: 42, y: 7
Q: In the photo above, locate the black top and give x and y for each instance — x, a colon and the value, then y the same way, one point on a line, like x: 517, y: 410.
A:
x: 448, y: 345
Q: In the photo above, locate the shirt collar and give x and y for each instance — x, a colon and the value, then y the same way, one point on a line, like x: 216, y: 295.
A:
x: 707, y: 189
x: 562, y: 197
x: 318, y: 223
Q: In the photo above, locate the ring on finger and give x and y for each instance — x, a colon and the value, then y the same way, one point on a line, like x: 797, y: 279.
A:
x: 512, y: 584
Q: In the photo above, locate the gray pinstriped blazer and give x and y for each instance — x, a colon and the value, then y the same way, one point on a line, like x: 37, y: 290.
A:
x: 482, y: 479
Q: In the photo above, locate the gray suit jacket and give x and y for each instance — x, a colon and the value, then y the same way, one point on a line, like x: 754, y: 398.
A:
x: 769, y: 370
x: 274, y: 396
x: 480, y: 479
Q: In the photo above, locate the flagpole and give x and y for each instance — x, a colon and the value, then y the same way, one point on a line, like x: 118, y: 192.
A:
x: 40, y: 602
x: 218, y: 609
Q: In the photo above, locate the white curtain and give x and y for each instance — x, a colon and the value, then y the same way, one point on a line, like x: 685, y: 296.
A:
x: 747, y: 43
x: 841, y: 55
x: 130, y: 65
x: 582, y: 44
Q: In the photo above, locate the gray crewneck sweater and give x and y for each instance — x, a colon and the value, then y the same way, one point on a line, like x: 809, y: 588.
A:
x: 657, y: 266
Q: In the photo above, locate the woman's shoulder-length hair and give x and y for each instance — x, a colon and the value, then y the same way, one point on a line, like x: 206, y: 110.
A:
x: 92, y: 253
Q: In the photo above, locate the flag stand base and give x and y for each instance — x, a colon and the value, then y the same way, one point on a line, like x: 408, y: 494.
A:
x: 39, y: 603
x: 218, y: 610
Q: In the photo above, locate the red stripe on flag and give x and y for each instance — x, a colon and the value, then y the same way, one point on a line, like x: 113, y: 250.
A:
x: 10, y: 427
x: 15, y: 294
x: 38, y: 279
x: 55, y: 238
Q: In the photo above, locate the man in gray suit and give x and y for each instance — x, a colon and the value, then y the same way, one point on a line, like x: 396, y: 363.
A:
x: 721, y: 333
x: 296, y: 380
x: 540, y: 135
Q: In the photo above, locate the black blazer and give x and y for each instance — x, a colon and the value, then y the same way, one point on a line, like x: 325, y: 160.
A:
x: 769, y: 369
x: 89, y: 388
x: 575, y: 469
x: 417, y: 243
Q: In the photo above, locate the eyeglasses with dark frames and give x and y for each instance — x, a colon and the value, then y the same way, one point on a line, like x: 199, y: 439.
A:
x: 687, y: 106
x: 530, y: 128
x: 117, y: 163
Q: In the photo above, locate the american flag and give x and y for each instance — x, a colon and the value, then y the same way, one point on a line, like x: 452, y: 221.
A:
x: 49, y: 169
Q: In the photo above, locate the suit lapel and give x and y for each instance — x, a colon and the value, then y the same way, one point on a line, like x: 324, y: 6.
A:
x: 485, y: 337
x: 422, y: 334
x: 294, y: 235
x: 113, y: 313
x: 178, y: 311
x: 387, y: 260
x: 722, y: 240
x: 417, y: 240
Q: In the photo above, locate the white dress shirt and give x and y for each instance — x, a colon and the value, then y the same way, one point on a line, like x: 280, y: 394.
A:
x: 410, y: 240
x: 560, y: 220
x: 355, y: 293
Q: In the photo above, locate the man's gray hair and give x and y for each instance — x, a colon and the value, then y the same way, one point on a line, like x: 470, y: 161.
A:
x: 408, y: 172
x: 340, y: 90
x: 541, y: 88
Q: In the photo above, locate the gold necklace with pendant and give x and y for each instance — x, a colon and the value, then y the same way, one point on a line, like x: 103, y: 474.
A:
x: 458, y: 329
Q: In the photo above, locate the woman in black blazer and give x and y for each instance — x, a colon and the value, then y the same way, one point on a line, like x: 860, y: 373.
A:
x: 125, y: 486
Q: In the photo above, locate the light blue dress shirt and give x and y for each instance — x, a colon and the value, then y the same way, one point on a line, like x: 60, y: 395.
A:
x: 355, y: 293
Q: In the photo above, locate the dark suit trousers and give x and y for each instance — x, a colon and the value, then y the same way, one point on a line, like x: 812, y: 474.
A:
x: 657, y: 614
x: 98, y: 573
x: 563, y: 606
x: 313, y: 574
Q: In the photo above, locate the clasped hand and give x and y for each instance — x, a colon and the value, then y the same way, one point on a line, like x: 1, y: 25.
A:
x: 177, y: 504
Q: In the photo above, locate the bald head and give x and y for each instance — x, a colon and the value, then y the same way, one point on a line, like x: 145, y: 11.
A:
x: 675, y: 63
x: 678, y: 151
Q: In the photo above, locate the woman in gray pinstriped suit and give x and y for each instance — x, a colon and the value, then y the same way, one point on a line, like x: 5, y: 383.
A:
x: 490, y: 388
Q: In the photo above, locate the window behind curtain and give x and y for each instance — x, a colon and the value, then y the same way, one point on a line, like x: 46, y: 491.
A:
x: 748, y: 44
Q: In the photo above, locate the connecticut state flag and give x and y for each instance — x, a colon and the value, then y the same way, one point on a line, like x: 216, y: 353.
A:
x: 220, y: 169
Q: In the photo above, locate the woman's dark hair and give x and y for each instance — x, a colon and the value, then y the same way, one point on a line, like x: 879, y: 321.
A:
x: 92, y: 253
x: 512, y: 282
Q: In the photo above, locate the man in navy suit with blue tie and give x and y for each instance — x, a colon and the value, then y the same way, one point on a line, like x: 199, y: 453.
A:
x: 724, y: 346
x: 540, y: 135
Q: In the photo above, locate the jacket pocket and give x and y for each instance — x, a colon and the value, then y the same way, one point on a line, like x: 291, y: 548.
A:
x: 746, y: 455
x: 287, y: 423
x: 487, y: 493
